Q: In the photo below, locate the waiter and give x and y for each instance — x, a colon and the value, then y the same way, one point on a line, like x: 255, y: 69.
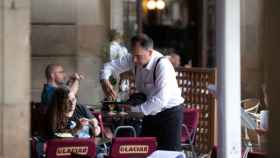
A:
x: 156, y: 78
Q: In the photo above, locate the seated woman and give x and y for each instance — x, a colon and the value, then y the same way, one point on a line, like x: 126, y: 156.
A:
x: 65, y: 116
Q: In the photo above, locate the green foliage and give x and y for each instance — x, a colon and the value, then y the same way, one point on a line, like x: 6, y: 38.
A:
x: 105, y: 52
x: 113, y: 81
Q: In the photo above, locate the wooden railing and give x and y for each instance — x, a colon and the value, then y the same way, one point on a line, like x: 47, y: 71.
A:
x: 193, y: 83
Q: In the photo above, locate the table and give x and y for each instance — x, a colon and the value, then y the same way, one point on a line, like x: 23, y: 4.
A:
x: 130, y: 119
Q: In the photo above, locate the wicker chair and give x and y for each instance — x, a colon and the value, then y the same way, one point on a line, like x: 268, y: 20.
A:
x: 250, y: 138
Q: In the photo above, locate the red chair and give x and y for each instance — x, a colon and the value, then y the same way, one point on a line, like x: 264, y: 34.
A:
x: 256, y: 155
x: 214, y: 152
x: 106, y: 133
x: 38, y: 112
x: 132, y: 147
x: 33, y: 148
x: 69, y: 148
x: 189, y: 126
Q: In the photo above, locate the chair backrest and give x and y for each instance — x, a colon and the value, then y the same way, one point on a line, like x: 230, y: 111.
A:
x: 125, y: 131
x: 251, y: 105
x: 250, y: 117
x: 33, y: 148
x: 38, y: 112
x: 191, y: 120
x: 214, y: 152
x: 64, y: 148
x: 128, y: 147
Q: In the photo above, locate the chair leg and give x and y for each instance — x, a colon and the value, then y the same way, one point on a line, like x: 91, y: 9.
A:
x: 193, y: 152
x: 245, y: 154
x: 187, y: 149
x: 106, y: 148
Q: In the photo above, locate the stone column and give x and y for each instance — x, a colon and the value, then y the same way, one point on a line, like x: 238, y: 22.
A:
x: 251, y: 57
x: 228, y: 55
x: 14, y: 78
x: 93, y: 26
x: 117, y: 15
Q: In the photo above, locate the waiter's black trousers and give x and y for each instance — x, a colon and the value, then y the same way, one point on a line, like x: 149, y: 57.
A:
x: 166, y: 127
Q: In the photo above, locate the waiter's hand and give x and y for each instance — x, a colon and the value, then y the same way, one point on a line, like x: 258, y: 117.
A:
x: 108, y: 89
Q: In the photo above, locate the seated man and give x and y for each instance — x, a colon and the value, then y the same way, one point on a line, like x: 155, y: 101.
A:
x: 55, y: 76
x: 174, y: 59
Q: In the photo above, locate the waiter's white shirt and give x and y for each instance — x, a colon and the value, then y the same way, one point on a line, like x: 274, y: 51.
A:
x: 161, y: 95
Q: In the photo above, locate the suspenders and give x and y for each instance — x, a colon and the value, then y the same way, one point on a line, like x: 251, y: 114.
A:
x: 154, y: 73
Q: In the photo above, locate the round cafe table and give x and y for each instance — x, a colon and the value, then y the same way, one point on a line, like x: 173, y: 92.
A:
x: 261, y: 131
x: 118, y: 119
x: 121, y: 113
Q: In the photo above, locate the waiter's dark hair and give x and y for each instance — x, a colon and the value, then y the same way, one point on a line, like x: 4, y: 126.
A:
x: 145, y: 41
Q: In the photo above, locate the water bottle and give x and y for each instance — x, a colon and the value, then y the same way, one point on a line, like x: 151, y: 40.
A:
x: 124, y: 89
x: 84, y: 132
x: 264, y: 119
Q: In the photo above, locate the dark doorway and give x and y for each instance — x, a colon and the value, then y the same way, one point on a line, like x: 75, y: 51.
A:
x: 182, y: 33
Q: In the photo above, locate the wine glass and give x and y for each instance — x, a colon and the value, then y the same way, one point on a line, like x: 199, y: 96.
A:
x: 124, y: 87
x: 111, y: 107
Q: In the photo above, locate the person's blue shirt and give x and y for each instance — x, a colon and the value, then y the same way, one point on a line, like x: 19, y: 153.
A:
x: 47, y: 94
